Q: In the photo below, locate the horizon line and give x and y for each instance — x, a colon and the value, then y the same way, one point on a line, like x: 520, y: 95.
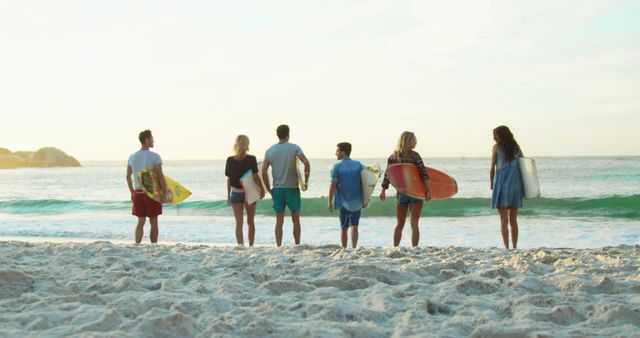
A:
x: 376, y: 158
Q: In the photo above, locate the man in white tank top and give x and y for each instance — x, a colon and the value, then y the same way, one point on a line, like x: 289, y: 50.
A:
x: 143, y: 206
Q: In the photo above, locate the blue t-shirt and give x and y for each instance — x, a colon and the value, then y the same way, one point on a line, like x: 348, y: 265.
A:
x: 282, y: 157
x: 141, y: 160
x: 346, y: 175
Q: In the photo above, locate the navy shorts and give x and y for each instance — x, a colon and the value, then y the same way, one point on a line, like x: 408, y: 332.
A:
x: 237, y: 198
x: 349, y: 218
x: 403, y: 199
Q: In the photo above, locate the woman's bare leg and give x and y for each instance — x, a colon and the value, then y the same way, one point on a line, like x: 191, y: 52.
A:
x: 238, y: 213
x: 504, y: 226
x: 251, y: 221
x: 416, y: 210
x: 513, y: 220
x: 401, y: 215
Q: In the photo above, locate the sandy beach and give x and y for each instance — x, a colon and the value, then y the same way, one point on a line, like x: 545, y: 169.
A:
x: 114, y: 290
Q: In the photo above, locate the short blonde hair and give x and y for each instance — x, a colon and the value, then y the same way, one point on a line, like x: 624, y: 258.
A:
x: 241, y: 146
x: 403, y: 149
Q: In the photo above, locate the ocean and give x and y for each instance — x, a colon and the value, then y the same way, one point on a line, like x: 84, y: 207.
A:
x: 586, y: 202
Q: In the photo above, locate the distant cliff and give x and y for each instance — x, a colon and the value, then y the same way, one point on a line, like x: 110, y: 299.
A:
x: 43, y: 158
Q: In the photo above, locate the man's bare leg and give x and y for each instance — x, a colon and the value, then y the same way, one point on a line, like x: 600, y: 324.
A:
x: 343, y: 237
x: 354, y: 237
x: 140, y: 229
x: 295, y: 217
x: 279, y: 224
x: 154, y: 230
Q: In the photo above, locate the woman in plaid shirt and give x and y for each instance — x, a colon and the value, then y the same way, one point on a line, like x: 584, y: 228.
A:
x: 404, y: 153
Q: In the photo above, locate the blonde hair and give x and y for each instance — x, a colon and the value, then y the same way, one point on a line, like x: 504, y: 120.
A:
x: 241, y: 147
x: 403, y: 148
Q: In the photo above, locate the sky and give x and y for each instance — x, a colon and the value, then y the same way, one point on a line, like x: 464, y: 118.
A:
x: 88, y: 76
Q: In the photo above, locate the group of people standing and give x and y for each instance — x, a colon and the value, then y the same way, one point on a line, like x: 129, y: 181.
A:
x: 345, y: 190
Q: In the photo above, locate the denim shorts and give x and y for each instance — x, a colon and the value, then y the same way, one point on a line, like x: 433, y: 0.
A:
x: 403, y: 199
x: 286, y: 197
x: 237, y: 198
x: 349, y: 218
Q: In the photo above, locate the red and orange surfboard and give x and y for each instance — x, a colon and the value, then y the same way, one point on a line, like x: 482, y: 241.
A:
x: 406, y: 179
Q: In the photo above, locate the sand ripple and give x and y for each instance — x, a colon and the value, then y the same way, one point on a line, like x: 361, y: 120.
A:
x: 106, y: 290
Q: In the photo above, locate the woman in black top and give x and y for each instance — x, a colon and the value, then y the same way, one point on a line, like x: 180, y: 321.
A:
x: 237, y: 166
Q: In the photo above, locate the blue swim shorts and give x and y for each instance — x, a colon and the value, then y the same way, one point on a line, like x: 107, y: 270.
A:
x: 286, y: 197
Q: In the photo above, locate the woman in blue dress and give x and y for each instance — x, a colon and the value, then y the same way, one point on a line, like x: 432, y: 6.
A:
x: 506, y: 182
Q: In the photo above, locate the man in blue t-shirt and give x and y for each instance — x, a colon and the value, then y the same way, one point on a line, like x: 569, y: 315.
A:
x: 281, y: 157
x: 346, y: 187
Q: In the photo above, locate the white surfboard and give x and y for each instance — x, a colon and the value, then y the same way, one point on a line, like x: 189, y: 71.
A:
x: 251, y: 187
x: 529, y: 174
x: 370, y: 176
x: 268, y: 175
x: 300, y: 171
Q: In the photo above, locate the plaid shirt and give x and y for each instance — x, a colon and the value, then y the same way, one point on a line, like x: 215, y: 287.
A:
x: 414, y: 158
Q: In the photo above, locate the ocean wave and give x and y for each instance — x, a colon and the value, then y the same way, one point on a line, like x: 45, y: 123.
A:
x: 623, y: 207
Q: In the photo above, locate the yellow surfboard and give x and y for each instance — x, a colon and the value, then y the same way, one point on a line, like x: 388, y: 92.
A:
x: 151, y: 186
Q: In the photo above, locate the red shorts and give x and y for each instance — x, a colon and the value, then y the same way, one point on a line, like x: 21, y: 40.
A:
x: 144, y: 206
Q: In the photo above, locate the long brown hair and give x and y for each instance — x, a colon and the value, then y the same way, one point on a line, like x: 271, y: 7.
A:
x: 505, y: 140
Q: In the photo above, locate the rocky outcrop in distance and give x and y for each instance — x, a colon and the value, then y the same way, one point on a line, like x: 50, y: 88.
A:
x: 47, y: 157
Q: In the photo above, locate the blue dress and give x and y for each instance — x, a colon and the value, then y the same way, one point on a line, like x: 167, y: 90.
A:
x: 508, y: 191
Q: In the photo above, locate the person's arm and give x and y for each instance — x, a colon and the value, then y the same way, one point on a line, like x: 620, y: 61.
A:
x: 385, y: 182
x: 333, y: 187
x: 256, y: 175
x: 422, y: 169
x: 265, y: 176
x: 227, y: 173
x: 307, y: 169
x: 130, y: 181
x: 332, y: 193
x: 257, y: 178
x: 492, y: 173
x: 427, y: 190
x: 163, y: 183
x: 364, y: 205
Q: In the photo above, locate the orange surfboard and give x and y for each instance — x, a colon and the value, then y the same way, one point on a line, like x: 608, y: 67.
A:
x: 406, y: 179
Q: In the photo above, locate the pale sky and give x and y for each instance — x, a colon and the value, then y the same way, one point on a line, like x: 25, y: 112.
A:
x: 87, y: 76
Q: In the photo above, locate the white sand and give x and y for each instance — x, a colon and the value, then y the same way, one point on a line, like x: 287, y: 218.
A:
x: 102, y: 289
